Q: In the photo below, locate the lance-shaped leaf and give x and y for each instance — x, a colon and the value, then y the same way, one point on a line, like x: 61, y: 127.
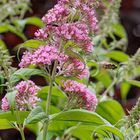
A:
x: 11, y: 99
x: 25, y: 73
x: 9, y: 116
x: 110, y: 129
x: 62, y: 120
x: 73, y: 54
x: 111, y: 110
x: 31, y: 44
x: 55, y: 92
x: 36, y: 115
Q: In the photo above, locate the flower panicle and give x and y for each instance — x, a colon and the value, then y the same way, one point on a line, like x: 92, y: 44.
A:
x: 26, y: 97
x: 68, y: 21
x: 83, y: 94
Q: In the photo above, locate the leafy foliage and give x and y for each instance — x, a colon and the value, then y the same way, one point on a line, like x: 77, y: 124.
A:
x: 111, y: 110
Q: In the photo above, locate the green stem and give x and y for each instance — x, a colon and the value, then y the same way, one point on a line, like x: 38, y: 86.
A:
x: 110, y: 87
x: 22, y: 133
x: 52, y: 78
x: 20, y: 128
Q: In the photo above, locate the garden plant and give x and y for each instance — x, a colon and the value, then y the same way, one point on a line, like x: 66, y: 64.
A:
x: 79, y: 51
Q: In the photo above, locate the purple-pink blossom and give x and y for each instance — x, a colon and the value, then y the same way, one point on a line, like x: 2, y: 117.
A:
x: 26, y: 59
x: 56, y: 14
x: 44, y: 55
x: 5, y: 104
x: 90, y: 17
x: 70, y: 20
x: 89, y: 100
x: 77, y: 32
x: 73, y: 67
x: 42, y: 33
x: 25, y: 98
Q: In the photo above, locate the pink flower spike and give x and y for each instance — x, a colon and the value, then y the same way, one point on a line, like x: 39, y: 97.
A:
x: 44, y: 55
x: 56, y: 14
x: 74, y: 67
x: 26, y: 60
x: 89, y: 100
x: 25, y: 99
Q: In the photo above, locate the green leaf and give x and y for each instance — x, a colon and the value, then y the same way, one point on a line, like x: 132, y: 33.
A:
x: 12, y: 116
x: 24, y: 73
x: 97, y: 39
x: 33, y: 128
x: 5, y: 124
x: 79, y: 115
x: 125, y: 87
x: 34, y: 21
x: 105, y: 78
x: 134, y: 83
x: 3, y: 46
x: 73, y: 54
x: 118, y: 56
x: 20, y: 24
x: 63, y: 120
x: 11, y: 99
x: 53, y: 108
x: 36, y: 115
x: 95, y: 69
x: 55, y: 92
x: 6, y: 28
x: 69, y: 44
x: 119, y: 30
x: 60, y: 125
x: 83, y: 132
x: 111, y: 129
x: 30, y: 44
x: 111, y: 110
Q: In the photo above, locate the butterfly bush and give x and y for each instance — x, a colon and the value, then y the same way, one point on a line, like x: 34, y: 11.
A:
x: 68, y: 29
x: 89, y: 100
x: 73, y: 67
x: 44, y: 55
x: 25, y: 98
x: 57, y: 13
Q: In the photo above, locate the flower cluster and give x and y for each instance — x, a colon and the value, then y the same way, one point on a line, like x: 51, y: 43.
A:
x: 26, y: 59
x: 90, y: 18
x: 25, y: 99
x: 70, y: 20
x: 78, y: 32
x: 89, y: 100
x: 68, y: 29
x: 73, y: 67
x: 56, y: 14
x: 44, y: 55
